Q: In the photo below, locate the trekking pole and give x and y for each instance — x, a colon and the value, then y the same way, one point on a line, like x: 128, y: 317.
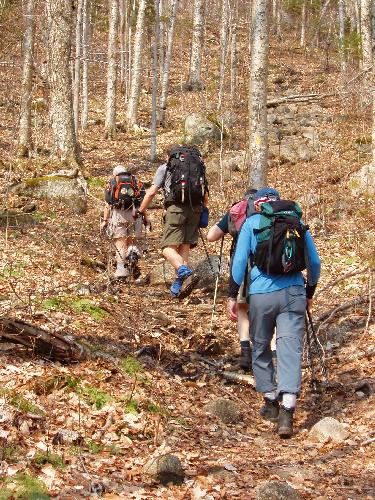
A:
x: 319, y: 346
x: 313, y: 381
x: 216, y: 285
x: 206, y: 250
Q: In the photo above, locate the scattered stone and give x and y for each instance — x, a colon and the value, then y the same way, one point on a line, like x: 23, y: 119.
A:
x: 10, y: 218
x: 162, y: 318
x: 276, y: 490
x: 198, y: 129
x: 67, y: 436
x: 29, y: 207
x: 328, y: 428
x: 365, y: 387
x: 165, y: 469
x: 228, y: 411
x: 363, y: 182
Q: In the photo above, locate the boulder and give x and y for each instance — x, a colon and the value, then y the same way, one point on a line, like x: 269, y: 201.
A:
x: 165, y: 469
x: 276, y: 490
x: 198, y: 129
x: 69, y: 190
x: 230, y: 162
x: 228, y: 411
x: 291, y: 150
x: 328, y: 429
x: 227, y: 119
x: 363, y: 182
x: 11, y: 218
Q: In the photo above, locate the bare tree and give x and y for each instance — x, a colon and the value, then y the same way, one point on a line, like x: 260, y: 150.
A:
x: 155, y: 47
x: 167, y: 62
x: 135, y: 87
x: 85, y: 65
x: 366, y: 36
x: 258, y: 137
x: 24, y: 138
x: 60, y: 20
x: 233, y: 64
x: 342, y: 19
x: 223, y: 47
x: 110, y: 104
x: 302, y: 40
x: 195, y: 79
x: 77, y: 65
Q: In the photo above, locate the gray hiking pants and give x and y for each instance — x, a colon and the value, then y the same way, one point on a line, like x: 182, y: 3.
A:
x: 285, y: 311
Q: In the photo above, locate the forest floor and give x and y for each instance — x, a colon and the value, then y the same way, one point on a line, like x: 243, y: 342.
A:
x: 150, y: 402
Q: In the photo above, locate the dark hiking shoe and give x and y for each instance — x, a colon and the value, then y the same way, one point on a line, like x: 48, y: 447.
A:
x: 245, y: 359
x: 188, y: 285
x: 270, y: 410
x: 285, y: 422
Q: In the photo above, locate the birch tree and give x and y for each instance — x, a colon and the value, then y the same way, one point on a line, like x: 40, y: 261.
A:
x: 342, y: 19
x: 155, y: 48
x: 258, y: 137
x: 233, y: 64
x: 366, y: 37
x: 110, y: 104
x: 223, y: 48
x: 85, y: 62
x: 77, y: 65
x: 60, y: 19
x: 302, y: 40
x: 135, y: 87
x: 166, y: 65
x: 195, y: 79
x: 24, y: 140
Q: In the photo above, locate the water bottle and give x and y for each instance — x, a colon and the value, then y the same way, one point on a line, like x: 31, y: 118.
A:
x: 183, y: 186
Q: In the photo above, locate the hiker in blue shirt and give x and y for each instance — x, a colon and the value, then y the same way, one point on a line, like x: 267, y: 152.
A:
x: 275, y: 301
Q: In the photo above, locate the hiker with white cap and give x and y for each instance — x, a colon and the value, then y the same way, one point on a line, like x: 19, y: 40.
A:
x: 123, y: 196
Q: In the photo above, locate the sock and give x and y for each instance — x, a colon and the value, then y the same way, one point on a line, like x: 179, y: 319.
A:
x: 270, y: 395
x: 245, y: 343
x: 289, y: 400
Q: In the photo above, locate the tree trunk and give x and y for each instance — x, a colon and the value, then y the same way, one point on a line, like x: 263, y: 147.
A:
x: 60, y: 17
x: 77, y: 66
x: 195, y: 79
x: 342, y: 19
x: 135, y: 88
x: 155, y: 48
x: 24, y: 140
x: 166, y: 66
x: 110, y: 104
x: 85, y: 63
x: 302, y: 41
x: 223, y: 48
x: 258, y: 137
x: 233, y: 65
x: 366, y: 36
x: 122, y: 33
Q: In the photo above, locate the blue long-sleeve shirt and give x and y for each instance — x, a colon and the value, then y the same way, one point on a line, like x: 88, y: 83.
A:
x: 261, y: 282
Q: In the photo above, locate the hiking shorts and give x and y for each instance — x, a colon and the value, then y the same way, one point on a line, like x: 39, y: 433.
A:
x: 181, y: 225
x: 122, y: 224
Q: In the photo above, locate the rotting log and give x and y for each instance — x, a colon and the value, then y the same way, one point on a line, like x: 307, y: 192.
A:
x: 49, y: 345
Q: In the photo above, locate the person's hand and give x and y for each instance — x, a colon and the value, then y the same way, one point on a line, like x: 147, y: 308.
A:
x: 103, y: 225
x: 232, y: 309
x: 309, y: 304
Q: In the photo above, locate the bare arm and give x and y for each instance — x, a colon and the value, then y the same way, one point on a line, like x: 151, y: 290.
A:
x: 149, y: 196
x: 214, y: 233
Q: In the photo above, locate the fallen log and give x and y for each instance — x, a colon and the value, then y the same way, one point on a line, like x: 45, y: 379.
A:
x: 238, y: 378
x: 48, y: 345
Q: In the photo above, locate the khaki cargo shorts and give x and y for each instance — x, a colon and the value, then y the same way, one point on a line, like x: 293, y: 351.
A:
x: 181, y: 225
x: 122, y: 224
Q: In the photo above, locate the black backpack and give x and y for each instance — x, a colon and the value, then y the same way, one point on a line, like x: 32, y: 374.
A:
x: 280, y: 238
x: 124, y: 191
x: 188, y: 177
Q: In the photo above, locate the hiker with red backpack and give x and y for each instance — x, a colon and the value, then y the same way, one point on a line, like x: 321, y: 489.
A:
x: 123, y: 196
x: 183, y: 180
x: 279, y: 247
x: 231, y: 223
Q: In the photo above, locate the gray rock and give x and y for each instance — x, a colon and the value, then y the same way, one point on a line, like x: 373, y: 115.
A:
x: 310, y: 134
x: 304, y: 152
x: 328, y: 429
x: 198, y: 129
x: 228, y: 411
x: 70, y: 191
x: 230, y: 162
x: 291, y: 150
x: 228, y: 119
x: 165, y: 469
x: 276, y: 490
x: 363, y: 182
x: 10, y: 218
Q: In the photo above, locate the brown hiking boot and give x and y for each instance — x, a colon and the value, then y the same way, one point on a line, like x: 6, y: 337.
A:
x: 285, y: 422
x: 245, y: 359
x: 270, y: 410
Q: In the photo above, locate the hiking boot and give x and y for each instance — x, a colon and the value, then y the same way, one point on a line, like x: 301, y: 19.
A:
x: 245, y: 359
x: 183, y: 272
x: 285, y: 422
x: 270, y: 410
x: 188, y: 285
x: 122, y: 271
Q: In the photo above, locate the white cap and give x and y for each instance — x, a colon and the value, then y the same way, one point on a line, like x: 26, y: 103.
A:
x: 119, y: 169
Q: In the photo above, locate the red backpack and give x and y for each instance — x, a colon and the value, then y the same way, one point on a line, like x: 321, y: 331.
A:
x: 239, y: 212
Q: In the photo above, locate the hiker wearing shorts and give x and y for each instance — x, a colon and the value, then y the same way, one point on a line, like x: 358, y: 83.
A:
x: 181, y: 218
x: 215, y: 233
x: 123, y: 227
x: 275, y: 301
